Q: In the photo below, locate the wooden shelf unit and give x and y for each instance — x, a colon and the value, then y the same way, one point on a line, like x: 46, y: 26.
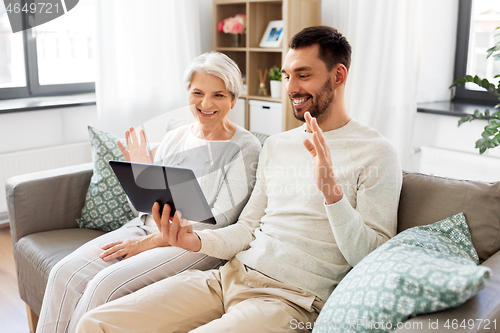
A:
x: 296, y: 15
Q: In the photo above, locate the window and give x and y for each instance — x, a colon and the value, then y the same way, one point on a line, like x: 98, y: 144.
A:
x: 477, y: 20
x: 55, y: 58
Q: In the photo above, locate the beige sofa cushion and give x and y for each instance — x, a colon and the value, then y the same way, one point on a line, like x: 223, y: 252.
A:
x: 36, y: 254
x: 426, y: 199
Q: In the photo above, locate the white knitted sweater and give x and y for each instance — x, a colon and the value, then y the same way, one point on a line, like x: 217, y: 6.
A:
x: 288, y: 233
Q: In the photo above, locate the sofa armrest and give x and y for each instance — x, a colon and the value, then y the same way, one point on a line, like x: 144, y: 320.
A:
x: 47, y: 200
x: 484, y: 306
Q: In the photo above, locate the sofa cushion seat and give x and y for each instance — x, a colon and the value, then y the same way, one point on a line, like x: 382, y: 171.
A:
x: 36, y: 254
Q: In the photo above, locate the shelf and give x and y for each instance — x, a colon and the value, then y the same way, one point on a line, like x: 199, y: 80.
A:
x: 264, y: 49
x: 244, y: 49
x: 264, y: 98
x: 231, y: 49
x: 295, y: 14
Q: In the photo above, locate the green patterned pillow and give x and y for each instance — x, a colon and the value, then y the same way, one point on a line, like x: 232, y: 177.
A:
x: 106, y: 206
x: 423, y: 269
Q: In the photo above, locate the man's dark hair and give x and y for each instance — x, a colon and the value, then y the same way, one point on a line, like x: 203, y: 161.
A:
x: 333, y: 47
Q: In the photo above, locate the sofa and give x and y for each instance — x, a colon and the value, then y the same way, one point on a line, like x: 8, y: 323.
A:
x: 43, y: 208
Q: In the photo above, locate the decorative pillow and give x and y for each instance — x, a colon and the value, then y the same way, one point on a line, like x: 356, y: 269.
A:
x: 423, y: 269
x: 106, y: 205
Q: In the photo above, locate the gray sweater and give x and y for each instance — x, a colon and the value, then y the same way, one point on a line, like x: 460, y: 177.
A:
x: 288, y: 233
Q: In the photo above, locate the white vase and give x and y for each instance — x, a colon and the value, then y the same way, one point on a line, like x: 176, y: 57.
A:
x: 275, y: 89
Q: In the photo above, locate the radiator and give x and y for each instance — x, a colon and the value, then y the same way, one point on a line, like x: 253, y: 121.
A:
x: 18, y: 163
x: 459, y: 165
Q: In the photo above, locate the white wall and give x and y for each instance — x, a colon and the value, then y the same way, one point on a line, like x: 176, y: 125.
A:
x: 45, y: 128
x: 206, y: 10
x: 437, y: 50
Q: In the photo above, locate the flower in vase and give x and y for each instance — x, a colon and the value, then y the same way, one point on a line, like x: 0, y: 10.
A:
x: 233, y: 25
x: 220, y: 27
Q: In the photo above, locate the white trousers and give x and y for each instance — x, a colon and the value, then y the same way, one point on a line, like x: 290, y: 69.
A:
x: 232, y: 299
x: 82, y: 280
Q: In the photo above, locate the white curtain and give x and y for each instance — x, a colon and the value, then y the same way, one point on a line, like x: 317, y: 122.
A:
x: 382, y: 84
x: 143, y: 48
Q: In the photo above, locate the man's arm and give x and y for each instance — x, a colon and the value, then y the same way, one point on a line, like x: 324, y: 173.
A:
x: 225, y: 243
x: 357, y: 231
x: 374, y: 221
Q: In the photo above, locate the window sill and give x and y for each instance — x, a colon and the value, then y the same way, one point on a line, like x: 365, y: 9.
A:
x: 42, y: 103
x: 450, y: 108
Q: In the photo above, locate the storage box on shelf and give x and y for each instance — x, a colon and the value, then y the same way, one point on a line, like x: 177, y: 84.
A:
x: 296, y: 15
x: 265, y: 117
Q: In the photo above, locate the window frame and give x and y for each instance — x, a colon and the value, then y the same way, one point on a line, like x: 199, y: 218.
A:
x: 33, y: 87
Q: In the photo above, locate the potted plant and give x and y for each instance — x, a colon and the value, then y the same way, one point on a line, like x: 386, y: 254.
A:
x: 490, y: 138
x: 275, y: 82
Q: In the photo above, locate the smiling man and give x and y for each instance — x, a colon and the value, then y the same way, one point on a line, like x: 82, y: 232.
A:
x: 326, y: 196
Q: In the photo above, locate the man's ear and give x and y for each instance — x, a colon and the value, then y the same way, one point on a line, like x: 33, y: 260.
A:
x: 340, y: 75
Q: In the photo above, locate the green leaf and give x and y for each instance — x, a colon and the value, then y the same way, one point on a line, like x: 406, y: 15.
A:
x: 494, y: 122
x: 496, y: 139
x: 465, y: 119
x: 487, y: 112
x: 492, y: 50
x: 482, y: 144
x: 489, y: 131
x: 458, y: 82
x: 498, y: 75
x: 477, y: 80
x: 497, y: 106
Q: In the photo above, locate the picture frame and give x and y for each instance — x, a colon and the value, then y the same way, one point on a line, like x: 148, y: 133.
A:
x: 273, y: 35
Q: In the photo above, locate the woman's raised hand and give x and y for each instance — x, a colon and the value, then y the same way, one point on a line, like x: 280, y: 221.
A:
x: 137, y: 151
x: 176, y: 231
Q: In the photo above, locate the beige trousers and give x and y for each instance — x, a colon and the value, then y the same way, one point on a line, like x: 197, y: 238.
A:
x: 234, y: 298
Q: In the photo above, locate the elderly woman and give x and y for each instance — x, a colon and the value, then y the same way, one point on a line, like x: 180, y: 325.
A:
x: 223, y: 157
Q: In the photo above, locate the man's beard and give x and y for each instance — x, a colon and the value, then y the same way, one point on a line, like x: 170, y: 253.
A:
x: 320, y: 107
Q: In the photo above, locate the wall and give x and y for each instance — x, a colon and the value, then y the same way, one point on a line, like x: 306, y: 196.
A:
x: 45, y: 128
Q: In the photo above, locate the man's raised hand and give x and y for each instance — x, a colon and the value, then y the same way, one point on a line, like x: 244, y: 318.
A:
x: 176, y: 231
x: 322, y: 162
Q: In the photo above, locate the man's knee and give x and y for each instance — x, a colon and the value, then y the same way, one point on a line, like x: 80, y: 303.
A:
x: 90, y: 323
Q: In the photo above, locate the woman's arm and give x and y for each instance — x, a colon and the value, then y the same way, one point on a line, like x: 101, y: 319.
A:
x: 132, y: 246
x: 238, y: 179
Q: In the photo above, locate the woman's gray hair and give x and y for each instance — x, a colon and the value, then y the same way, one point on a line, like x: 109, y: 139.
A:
x: 219, y: 65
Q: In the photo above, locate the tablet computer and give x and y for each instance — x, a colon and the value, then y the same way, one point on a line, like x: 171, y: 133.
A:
x: 146, y: 184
